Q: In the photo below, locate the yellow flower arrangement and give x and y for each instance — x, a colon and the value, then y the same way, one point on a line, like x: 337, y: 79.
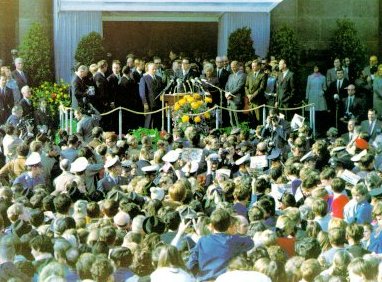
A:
x: 192, y: 110
x: 197, y: 119
x: 185, y: 118
x: 54, y: 94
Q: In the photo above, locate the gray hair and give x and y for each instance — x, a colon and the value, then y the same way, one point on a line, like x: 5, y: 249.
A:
x: 19, y: 60
x: 207, y: 67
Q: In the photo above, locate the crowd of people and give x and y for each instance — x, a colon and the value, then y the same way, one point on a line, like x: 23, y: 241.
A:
x: 271, y: 203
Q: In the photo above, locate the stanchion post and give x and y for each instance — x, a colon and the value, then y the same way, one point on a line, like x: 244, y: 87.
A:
x: 60, y: 117
x: 120, y: 123
x: 66, y: 120
x: 314, y: 121
x: 169, y: 119
x: 310, y: 117
x: 163, y: 109
x: 71, y: 121
x: 264, y: 114
x: 217, y: 118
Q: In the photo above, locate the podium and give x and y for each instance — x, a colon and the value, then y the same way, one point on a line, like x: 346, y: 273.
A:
x: 171, y: 99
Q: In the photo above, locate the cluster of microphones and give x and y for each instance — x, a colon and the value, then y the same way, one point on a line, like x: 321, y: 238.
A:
x: 181, y: 84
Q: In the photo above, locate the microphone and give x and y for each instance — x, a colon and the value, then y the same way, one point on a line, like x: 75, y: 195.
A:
x: 192, y: 81
x: 336, y: 97
x: 189, y: 85
x: 204, y: 80
x: 170, y: 83
x: 197, y: 80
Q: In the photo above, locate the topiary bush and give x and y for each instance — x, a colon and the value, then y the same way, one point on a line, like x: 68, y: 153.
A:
x: 345, y: 42
x: 240, y: 45
x: 37, y: 51
x: 284, y: 45
x: 90, y: 49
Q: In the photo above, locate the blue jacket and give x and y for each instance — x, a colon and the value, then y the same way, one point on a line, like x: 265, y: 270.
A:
x: 211, y: 255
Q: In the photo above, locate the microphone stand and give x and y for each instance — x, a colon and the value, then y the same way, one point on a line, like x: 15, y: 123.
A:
x: 337, y: 115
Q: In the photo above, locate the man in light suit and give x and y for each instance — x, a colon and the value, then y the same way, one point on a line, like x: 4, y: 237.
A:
x: 19, y: 75
x: 371, y: 126
x: 150, y: 87
x: 235, y: 92
x: 285, y: 88
x: 255, y: 86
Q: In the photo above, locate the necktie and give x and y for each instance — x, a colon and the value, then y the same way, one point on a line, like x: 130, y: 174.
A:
x: 23, y: 76
x: 338, y: 86
x: 370, y: 128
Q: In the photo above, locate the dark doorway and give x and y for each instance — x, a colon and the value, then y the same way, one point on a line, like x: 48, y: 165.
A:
x: 145, y: 39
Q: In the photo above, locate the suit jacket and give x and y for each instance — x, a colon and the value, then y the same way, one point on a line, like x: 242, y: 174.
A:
x: 376, y: 130
x: 223, y: 78
x: 21, y: 81
x: 113, y: 82
x: 332, y: 89
x: 137, y: 76
x: 346, y: 137
x: 6, y: 104
x: 102, y: 97
x: 28, y: 109
x: 186, y: 85
x: 255, y: 88
x: 78, y: 90
x: 236, y: 85
x: 285, y: 89
x: 331, y: 75
x: 356, y: 109
x: 215, y: 94
x: 149, y: 89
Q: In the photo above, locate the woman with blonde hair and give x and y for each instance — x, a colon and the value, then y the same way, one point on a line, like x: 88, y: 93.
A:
x: 171, y: 267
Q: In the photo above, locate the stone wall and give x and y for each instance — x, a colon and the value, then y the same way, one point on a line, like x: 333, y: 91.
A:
x: 36, y: 11
x: 8, y: 27
x: 314, y: 20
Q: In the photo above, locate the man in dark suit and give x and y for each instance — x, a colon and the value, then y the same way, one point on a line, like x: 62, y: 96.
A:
x: 255, y: 86
x: 336, y: 92
x: 26, y: 102
x: 186, y: 75
x: 221, y: 73
x: 352, y: 107
x: 19, y: 75
x: 139, y: 71
x: 150, y: 87
x: 78, y: 87
x: 235, y: 92
x: 6, y: 100
x: 102, y: 97
x: 113, y: 82
x: 371, y: 126
x: 285, y: 88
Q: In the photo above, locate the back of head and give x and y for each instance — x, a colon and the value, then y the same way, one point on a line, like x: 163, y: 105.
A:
x: 221, y: 219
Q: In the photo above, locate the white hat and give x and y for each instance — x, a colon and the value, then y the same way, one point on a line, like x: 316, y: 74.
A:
x: 80, y: 164
x: 213, y: 157
x: 33, y: 159
x: 121, y: 219
x: 224, y: 171
x: 127, y: 163
x: 150, y: 168
x: 111, y: 162
x: 171, y: 156
x: 357, y: 158
x: 192, y: 167
x: 157, y: 193
x: 243, y: 159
